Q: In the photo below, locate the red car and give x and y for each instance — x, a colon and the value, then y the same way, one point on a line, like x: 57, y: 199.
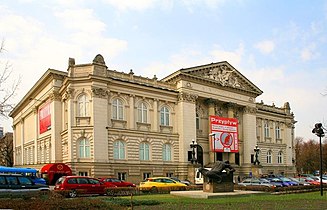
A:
x: 116, y: 182
x: 71, y: 186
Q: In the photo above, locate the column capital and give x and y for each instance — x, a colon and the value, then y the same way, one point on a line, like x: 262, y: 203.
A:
x: 187, y: 97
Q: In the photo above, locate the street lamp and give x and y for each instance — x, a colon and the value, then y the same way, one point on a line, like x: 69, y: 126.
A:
x: 256, y: 150
x: 213, y: 136
x: 318, y: 130
x: 193, y: 145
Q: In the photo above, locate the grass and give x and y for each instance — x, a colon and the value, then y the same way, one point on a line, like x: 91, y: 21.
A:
x: 311, y: 200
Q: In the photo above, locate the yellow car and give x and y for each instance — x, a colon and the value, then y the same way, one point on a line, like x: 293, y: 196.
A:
x: 152, y: 184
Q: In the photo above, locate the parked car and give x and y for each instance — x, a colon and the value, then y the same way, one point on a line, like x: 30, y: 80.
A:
x: 72, y: 186
x: 255, y: 182
x: 317, y: 178
x: 276, y: 184
x: 19, y: 185
x: 300, y: 181
x: 152, y: 184
x: 292, y: 183
x: 182, y: 181
x: 278, y: 180
x: 110, y: 182
x: 311, y: 180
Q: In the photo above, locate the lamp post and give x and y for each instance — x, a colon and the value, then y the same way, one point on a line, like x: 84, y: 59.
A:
x: 318, y: 130
x: 193, y: 145
x: 256, y: 150
x: 213, y: 137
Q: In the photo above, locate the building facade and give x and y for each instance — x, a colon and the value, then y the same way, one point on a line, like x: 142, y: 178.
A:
x: 102, y: 122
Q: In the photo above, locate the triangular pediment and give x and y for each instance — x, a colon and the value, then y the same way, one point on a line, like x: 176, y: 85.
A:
x: 221, y: 73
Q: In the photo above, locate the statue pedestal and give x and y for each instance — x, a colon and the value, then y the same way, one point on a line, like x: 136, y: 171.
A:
x: 226, y: 185
x: 256, y: 170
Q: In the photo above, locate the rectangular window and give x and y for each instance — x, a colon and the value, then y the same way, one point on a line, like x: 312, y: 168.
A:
x: 122, y: 176
x: 169, y: 174
x: 146, y: 175
x: 82, y: 173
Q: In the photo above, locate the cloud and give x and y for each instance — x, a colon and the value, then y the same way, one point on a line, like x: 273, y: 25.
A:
x: 266, y: 46
x: 309, y: 52
x: 139, y: 5
x: 233, y: 57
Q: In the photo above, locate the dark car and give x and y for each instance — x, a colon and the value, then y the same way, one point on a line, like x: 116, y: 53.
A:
x: 278, y: 180
x: 182, y: 181
x: 72, y: 186
x: 16, y: 184
x: 116, y: 182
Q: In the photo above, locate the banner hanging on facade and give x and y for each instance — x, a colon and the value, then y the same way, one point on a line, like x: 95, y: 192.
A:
x: 224, y: 134
x: 45, y: 118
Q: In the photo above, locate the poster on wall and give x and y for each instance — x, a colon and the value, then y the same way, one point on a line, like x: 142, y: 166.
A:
x: 45, y: 118
x: 223, y: 134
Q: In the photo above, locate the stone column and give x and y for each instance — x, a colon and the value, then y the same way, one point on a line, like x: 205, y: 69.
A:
x: 230, y: 114
x: 155, y: 115
x: 100, y: 120
x: 211, y: 111
x: 186, y: 122
x: 69, y: 97
x: 249, y: 133
x: 55, y: 148
x: 131, y: 112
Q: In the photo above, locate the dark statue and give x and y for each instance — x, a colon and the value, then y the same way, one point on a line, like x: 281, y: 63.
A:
x: 218, y: 171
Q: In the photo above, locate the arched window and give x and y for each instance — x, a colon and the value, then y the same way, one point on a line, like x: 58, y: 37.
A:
x: 142, y: 112
x: 119, y: 150
x: 280, y: 157
x: 117, y: 109
x: 83, y: 106
x: 144, y: 151
x: 164, y: 116
x: 266, y: 126
x: 84, y: 148
x: 269, y: 157
x: 166, y: 152
x: 197, y: 121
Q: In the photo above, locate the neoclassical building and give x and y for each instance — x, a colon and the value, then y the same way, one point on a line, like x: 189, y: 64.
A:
x: 103, y: 122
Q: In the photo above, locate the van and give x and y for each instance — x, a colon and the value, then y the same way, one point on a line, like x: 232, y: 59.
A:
x: 72, y: 186
x: 199, y: 176
x: 19, y: 185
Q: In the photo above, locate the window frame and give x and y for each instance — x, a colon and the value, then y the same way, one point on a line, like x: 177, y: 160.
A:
x: 269, y: 157
x: 119, y: 152
x: 84, y: 148
x: 142, y: 113
x: 166, y: 152
x: 83, y: 106
x: 164, y: 116
x: 117, y: 109
x: 144, y: 151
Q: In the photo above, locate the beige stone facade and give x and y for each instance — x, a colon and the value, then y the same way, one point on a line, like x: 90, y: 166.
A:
x: 110, y: 123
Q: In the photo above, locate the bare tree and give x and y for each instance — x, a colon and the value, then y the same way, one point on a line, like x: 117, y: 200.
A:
x: 8, y: 88
x: 6, y: 150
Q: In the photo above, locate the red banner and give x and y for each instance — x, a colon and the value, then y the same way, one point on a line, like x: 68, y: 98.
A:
x: 224, y: 133
x: 45, y: 118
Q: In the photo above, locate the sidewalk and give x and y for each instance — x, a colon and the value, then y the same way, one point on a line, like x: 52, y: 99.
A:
x: 206, y: 195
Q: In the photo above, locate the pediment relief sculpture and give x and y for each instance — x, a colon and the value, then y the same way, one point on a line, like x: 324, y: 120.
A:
x: 224, y: 75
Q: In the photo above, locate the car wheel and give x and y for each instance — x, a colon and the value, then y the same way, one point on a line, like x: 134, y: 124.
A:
x: 72, y: 194
x: 110, y: 192
x: 154, y: 190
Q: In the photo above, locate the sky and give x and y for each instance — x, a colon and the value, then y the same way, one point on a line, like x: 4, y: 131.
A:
x: 280, y: 46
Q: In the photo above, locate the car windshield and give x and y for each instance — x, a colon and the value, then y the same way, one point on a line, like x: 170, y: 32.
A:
x: 285, y: 179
